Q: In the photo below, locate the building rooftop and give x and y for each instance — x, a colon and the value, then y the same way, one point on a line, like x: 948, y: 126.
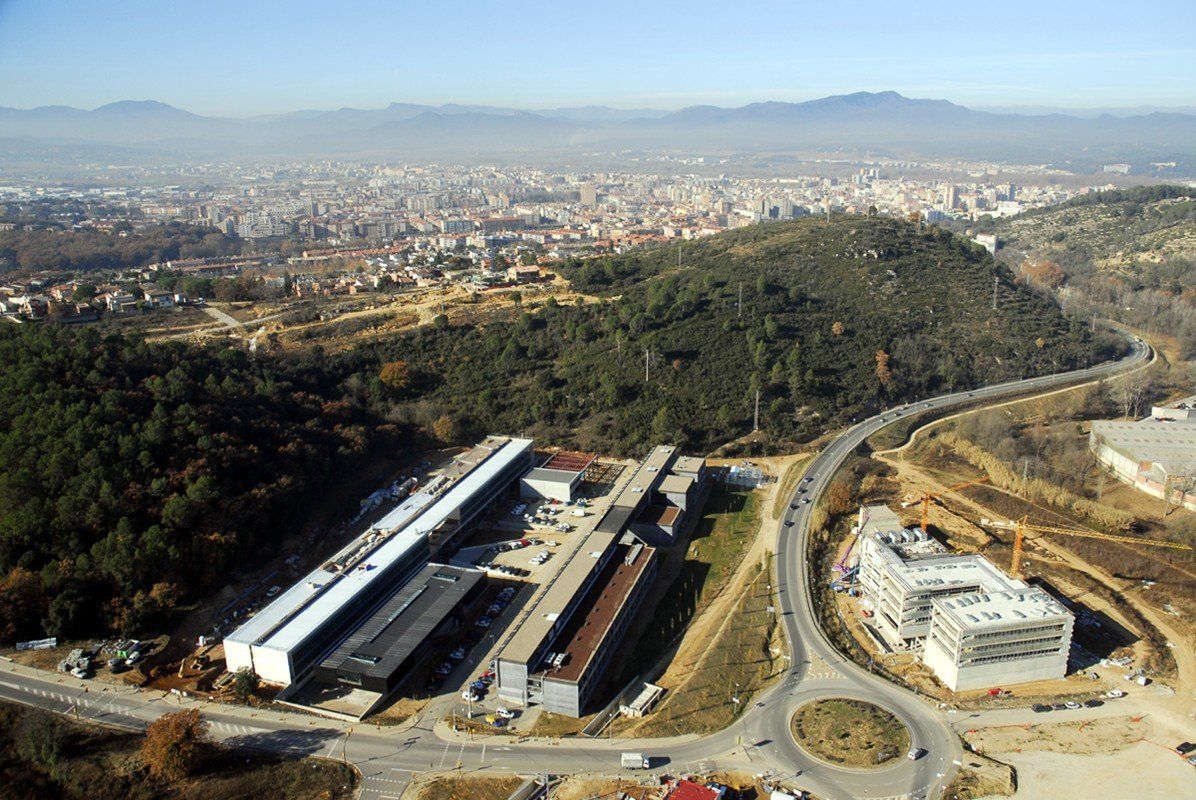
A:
x: 645, y: 476
x: 307, y: 605
x: 973, y: 612
x: 403, y: 623
x: 675, y: 484
x: 659, y: 515
x: 598, y: 611
x: 1170, y: 445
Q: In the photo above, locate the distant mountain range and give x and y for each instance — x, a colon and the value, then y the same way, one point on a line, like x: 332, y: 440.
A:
x: 884, y: 123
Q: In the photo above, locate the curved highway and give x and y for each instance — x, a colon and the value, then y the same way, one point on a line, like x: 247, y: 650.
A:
x: 758, y: 741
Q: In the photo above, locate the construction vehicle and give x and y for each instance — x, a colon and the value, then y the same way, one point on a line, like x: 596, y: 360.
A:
x: 1021, y: 527
x: 928, y: 497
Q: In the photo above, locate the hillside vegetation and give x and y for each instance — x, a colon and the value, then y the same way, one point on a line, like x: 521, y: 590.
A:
x: 836, y: 318
x: 135, y: 475
x: 1128, y: 254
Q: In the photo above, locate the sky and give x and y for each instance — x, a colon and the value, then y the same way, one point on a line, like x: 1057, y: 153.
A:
x: 258, y: 56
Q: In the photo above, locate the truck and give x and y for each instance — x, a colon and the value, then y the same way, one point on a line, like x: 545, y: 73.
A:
x: 633, y: 761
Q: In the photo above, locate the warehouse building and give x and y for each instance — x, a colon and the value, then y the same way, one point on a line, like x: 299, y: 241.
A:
x: 284, y: 641
x: 1156, y: 455
x: 986, y: 640
x: 380, y: 654
x: 972, y: 624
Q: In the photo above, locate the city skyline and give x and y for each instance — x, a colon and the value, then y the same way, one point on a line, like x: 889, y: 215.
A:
x: 1068, y: 55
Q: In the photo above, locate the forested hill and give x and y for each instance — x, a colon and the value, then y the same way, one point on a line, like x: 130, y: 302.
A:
x: 137, y: 476
x: 1128, y: 254
x: 835, y: 318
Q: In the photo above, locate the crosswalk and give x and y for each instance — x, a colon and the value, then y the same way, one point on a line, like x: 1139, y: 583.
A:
x: 385, y: 785
x: 232, y: 729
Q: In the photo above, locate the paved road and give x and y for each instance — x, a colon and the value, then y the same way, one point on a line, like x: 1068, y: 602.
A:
x: 759, y: 741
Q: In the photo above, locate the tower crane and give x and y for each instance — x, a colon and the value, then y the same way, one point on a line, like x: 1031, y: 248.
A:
x: 1021, y: 527
x: 928, y: 497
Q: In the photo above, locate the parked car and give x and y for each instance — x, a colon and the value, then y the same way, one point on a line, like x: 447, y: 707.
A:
x: 79, y: 672
x: 483, y: 622
x: 1093, y: 703
x: 472, y: 697
x: 503, y: 713
x: 1115, y: 694
x: 1072, y: 704
x: 458, y: 654
x: 1039, y: 708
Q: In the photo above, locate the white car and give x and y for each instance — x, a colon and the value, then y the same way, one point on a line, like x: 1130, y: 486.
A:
x: 79, y: 672
x: 1115, y: 693
x: 472, y: 697
x: 504, y: 713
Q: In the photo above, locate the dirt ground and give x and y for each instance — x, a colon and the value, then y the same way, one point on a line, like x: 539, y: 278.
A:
x: 453, y: 787
x: 850, y: 733
x: 1121, y: 757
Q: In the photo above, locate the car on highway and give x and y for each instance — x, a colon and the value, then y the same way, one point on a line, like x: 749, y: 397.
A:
x: 793, y: 506
x: 805, y: 501
x: 788, y: 523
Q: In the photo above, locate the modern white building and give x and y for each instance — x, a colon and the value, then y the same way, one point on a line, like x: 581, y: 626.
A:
x: 1156, y: 455
x: 284, y: 641
x: 986, y: 640
x: 972, y: 624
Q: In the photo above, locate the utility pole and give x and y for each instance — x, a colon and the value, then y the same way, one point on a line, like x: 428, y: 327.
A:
x: 756, y: 419
x: 996, y: 283
x: 739, y: 305
x: 647, y: 355
x: 1025, y: 468
x: 1094, y: 322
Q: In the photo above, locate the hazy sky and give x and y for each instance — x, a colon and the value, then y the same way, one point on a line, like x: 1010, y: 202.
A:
x: 250, y: 56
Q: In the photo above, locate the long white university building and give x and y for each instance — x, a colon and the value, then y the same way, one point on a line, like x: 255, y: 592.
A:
x: 972, y: 624
x: 284, y: 641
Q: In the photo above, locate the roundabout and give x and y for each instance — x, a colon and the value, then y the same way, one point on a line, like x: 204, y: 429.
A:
x: 849, y: 733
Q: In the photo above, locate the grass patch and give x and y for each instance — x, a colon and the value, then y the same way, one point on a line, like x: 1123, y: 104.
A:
x: 46, y: 755
x: 557, y: 725
x: 788, y: 484
x: 850, y: 733
x: 453, y: 788
x: 727, y: 529
x: 742, y: 656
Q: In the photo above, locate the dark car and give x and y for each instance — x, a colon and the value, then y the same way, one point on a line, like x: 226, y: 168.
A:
x: 1039, y: 708
x: 1093, y: 703
x: 788, y: 523
x: 793, y: 506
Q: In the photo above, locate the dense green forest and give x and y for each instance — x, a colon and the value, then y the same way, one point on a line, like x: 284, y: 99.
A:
x: 836, y: 318
x: 135, y: 475
x: 1129, y: 254
x: 52, y: 248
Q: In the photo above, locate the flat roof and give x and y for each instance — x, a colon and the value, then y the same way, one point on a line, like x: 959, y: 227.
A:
x: 675, y: 484
x: 586, y: 631
x: 645, y: 476
x: 309, y: 603
x: 403, y: 623
x: 552, y: 603
x: 688, y: 464
x: 1001, y: 609
x: 552, y: 475
x: 659, y: 515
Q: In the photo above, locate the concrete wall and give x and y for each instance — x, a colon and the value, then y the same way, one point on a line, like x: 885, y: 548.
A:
x: 994, y: 675
x: 512, y: 682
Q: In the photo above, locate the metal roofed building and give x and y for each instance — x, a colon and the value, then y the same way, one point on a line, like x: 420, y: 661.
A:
x: 286, y: 639
x: 988, y: 640
x: 383, y: 650
x: 1156, y: 455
